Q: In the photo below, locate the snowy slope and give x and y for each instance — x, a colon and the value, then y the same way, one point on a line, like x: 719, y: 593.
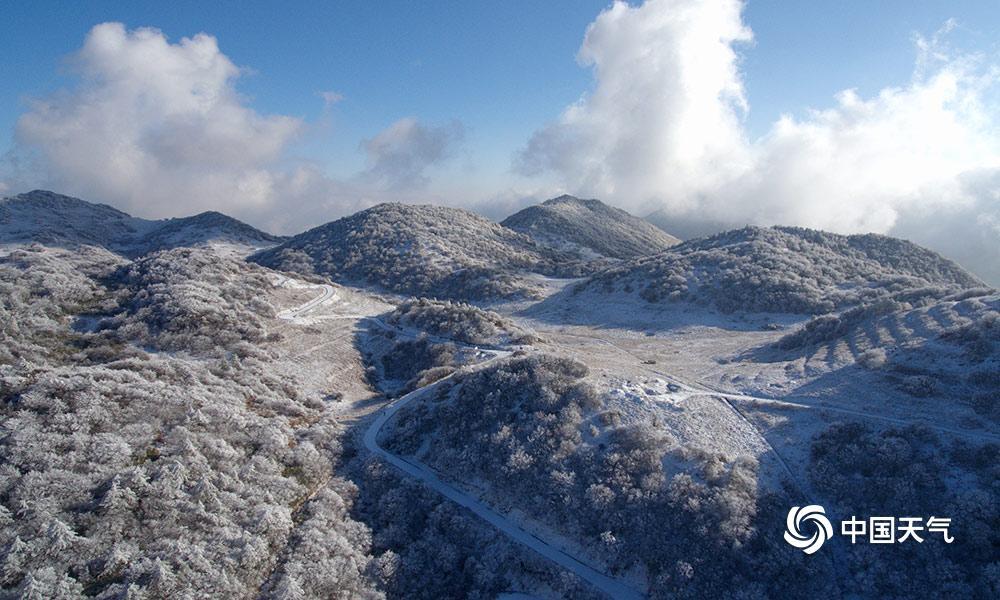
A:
x: 187, y: 446
x: 54, y: 219
x: 590, y: 227
x: 205, y: 227
x: 932, y: 347
x: 430, y: 251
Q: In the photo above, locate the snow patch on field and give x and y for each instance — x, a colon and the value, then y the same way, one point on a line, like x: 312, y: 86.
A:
x: 694, y: 418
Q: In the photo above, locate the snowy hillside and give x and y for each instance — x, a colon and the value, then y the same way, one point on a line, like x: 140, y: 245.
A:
x: 590, y: 227
x: 56, y: 220
x: 53, y: 219
x: 782, y: 270
x: 927, y: 345
x: 430, y: 251
x: 149, y: 447
x: 203, y: 228
x: 545, y: 441
x: 458, y: 321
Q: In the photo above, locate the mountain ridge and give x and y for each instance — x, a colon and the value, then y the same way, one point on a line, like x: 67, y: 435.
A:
x: 423, y: 250
x: 783, y: 270
x: 51, y: 218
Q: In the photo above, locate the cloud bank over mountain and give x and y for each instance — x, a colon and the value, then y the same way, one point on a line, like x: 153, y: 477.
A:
x: 663, y: 128
x: 159, y: 129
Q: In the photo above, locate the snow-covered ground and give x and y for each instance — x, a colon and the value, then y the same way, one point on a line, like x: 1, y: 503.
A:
x: 637, y: 348
x: 319, y: 324
x: 685, y: 368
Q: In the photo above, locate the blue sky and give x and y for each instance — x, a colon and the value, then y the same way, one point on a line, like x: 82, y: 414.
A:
x: 673, y: 107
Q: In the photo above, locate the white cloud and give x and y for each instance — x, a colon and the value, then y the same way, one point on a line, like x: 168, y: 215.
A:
x: 662, y: 128
x: 399, y: 155
x: 330, y: 98
x: 156, y: 127
x: 667, y: 96
x: 159, y: 129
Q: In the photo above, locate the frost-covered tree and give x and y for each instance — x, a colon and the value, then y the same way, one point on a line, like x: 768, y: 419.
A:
x: 912, y: 472
x: 542, y: 438
x: 783, y: 270
x: 147, y: 448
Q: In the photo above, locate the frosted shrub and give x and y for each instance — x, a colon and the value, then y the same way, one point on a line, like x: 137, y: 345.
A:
x: 191, y: 300
x: 911, y: 472
x: 920, y: 386
x: 429, y: 548
x: 826, y: 328
x: 873, y: 359
x: 457, y: 321
x: 409, y: 359
x: 126, y: 471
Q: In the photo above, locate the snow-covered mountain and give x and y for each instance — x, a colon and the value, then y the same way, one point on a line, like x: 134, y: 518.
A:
x: 660, y: 219
x: 203, y: 228
x: 187, y: 423
x: 590, y: 227
x: 431, y: 251
x: 782, y: 269
x: 57, y: 220
x: 53, y: 219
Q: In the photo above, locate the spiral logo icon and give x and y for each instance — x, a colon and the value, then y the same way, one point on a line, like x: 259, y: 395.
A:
x: 797, y: 516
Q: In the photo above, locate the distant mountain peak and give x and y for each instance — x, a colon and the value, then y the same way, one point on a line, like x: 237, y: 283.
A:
x: 589, y: 227
x: 563, y: 198
x: 55, y: 219
x: 569, y: 199
x: 48, y: 200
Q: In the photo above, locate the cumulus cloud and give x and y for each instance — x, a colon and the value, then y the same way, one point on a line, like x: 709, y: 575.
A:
x: 964, y: 224
x: 667, y: 96
x: 330, y: 98
x: 399, y: 155
x: 156, y: 127
x: 662, y: 129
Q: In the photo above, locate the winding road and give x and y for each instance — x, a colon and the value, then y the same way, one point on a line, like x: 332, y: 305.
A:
x: 328, y: 293
x: 604, y: 583
x: 608, y: 585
